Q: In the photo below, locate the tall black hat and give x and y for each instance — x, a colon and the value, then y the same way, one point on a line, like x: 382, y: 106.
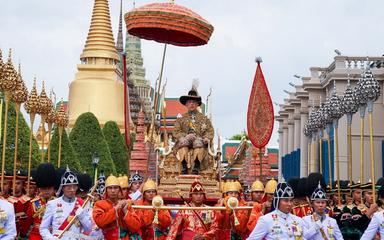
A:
x: 85, y: 182
x: 45, y: 175
x: 294, y: 183
x: 192, y: 94
x: 313, y: 180
x: 283, y: 191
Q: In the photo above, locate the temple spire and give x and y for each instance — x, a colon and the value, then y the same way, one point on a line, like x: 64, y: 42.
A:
x: 119, y: 42
x: 100, y: 42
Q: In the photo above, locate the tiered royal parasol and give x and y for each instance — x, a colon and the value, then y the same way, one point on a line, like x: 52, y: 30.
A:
x: 45, y: 105
x: 260, y: 116
x: 368, y: 89
x: 62, y: 122
x: 349, y: 107
x: 50, y: 120
x: 335, y: 114
x: 19, y: 95
x: 7, y: 85
x: 31, y: 106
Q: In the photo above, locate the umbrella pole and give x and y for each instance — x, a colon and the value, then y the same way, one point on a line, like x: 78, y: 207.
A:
x: 321, y: 151
x: 60, y: 137
x: 337, y: 160
x: 309, y: 156
x: 7, y: 99
x: 32, y: 120
x: 349, y: 147
x: 329, y: 156
x: 158, y: 91
x: 17, y: 109
x: 370, y: 110
x: 362, y: 115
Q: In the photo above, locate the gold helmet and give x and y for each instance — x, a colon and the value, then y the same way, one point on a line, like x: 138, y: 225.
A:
x: 231, y: 187
x: 270, y: 187
x: 257, y: 186
x: 123, y: 181
x: 149, y: 185
x: 111, y: 181
x: 239, y: 186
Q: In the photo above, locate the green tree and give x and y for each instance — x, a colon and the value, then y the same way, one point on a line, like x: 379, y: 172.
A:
x: 68, y: 155
x: 87, y: 138
x: 238, y: 136
x: 23, y: 141
x: 116, y: 144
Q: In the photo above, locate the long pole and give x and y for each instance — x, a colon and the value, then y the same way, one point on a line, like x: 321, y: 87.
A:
x: 158, y: 91
x: 349, y: 146
x: 17, y: 109
x: 261, y: 163
x: 362, y: 115
x: 370, y: 110
x: 7, y: 99
x: 49, y: 142
x: 127, y: 107
x: 321, y: 150
x: 32, y: 120
x: 43, y: 137
x: 309, y: 156
x: 337, y: 159
x: 60, y: 137
x: 329, y: 156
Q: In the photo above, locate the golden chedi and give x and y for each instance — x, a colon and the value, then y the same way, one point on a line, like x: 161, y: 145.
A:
x: 97, y: 87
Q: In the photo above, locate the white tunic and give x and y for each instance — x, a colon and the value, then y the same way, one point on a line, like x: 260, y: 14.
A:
x: 328, y: 224
x: 376, y: 225
x: 7, y: 221
x: 278, y: 225
x: 57, y: 211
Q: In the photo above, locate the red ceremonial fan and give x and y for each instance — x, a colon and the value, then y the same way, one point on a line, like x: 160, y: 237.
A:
x: 260, y: 117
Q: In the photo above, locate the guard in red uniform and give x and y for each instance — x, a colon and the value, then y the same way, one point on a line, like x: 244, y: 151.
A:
x: 149, y: 229
x: 20, y: 202
x: 115, y: 217
x: 257, y: 192
x: 46, y: 188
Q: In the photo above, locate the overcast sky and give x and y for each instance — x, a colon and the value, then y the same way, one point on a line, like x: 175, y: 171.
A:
x: 290, y: 35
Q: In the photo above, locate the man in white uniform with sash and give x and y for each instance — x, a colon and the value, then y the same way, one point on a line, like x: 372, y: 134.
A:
x: 319, y: 225
x: 62, y: 210
x: 280, y: 223
x: 7, y: 221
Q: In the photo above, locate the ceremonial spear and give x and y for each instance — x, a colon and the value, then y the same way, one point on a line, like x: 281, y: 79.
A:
x: 335, y: 114
x: 328, y: 125
x: 369, y: 88
x: 19, y: 95
x: 31, y: 106
x: 62, y: 122
x: 45, y: 106
x: 7, y: 84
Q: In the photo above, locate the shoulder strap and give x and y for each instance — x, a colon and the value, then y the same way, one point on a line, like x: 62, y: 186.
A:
x: 72, y: 214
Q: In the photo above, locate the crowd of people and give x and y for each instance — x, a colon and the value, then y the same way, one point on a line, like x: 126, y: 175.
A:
x: 74, y: 209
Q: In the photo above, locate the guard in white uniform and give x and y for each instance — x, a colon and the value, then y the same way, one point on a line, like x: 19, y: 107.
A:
x: 377, y: 221
x: 62, y: 210
x: 135, y: 182
x: 319, y: 225
x: 280, y: 223
x: 7, y: 221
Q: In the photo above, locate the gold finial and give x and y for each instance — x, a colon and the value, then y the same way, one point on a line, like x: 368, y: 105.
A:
x: 32, y: 104
x: 62, y: 117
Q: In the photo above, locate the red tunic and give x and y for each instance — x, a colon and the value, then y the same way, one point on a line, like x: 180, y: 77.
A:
x: 35, y: 212
x: 228, y: 229
x: 148, y: 228
x: 186, y: 225
x: 302, y: 210
x: 111, y: 222
x: 21, y: 206
x: 255, y: 215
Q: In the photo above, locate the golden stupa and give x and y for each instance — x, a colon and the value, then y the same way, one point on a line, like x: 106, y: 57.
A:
x: 97, y: 87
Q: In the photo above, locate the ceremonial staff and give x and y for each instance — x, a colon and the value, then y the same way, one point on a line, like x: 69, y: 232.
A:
x: 31, y: 106
x: 335, y: 114
x: 61, y: 121
x: 7, y: 84
x: 328, y: 125
x: 19, y: 96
